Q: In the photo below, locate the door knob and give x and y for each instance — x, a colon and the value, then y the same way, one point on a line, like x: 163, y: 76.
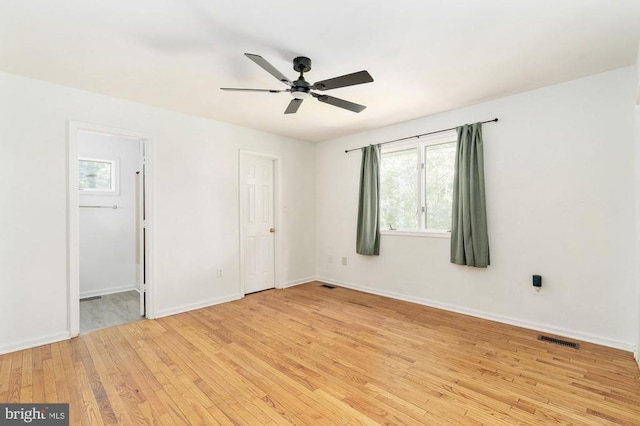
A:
x: 272, y: 230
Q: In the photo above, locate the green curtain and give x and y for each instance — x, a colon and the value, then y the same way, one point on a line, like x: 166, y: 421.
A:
x: 469, y: 235
x: 368, y: 233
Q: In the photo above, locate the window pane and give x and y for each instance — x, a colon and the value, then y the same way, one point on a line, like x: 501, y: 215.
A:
x: 439, y: 168
x: 399, y: 189
x: 95, y: 175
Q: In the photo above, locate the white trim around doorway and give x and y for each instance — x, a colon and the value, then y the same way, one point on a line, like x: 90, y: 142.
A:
x: 73, y: 219
x: 277, y: 218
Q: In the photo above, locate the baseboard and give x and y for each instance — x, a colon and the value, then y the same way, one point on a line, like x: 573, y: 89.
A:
x: 297, y: 282
x: 104, y: 292
x: 488, y: 316
x: 32, y: 343
x: 199, y: 305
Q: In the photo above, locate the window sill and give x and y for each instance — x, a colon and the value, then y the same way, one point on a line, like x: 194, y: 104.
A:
x: 416, y: 234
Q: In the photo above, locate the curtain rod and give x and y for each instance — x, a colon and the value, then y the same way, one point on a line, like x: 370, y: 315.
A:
x: 495, y: 120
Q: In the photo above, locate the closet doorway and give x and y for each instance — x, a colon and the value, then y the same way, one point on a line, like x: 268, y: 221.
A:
x: 108, y: 228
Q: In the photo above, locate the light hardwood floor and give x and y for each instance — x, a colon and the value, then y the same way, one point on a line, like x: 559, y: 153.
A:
x: 310, y: 355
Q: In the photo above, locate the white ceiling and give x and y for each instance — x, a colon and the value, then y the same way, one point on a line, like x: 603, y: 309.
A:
x: 426, y: 56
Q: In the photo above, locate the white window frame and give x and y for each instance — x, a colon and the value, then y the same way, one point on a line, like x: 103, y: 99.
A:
x: 420, y: 144
x: 115, y: 173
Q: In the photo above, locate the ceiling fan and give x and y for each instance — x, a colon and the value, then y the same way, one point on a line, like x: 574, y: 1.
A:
x: 300, y: 89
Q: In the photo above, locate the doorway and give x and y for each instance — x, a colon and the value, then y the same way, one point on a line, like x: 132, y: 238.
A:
x: 108, y: 227
x: 258, y: 221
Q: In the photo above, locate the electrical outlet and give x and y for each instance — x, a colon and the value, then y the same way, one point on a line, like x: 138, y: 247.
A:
x: 219, y: 273
x: 537, y: 283
x: 344, y: 261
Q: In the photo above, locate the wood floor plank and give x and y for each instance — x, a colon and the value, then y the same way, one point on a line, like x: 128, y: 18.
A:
x: 14, y: 379
x: 87, y: 406
x: 70, y: 377
x: 95, y: 378
x: 117, y: 385
x: 49, y: 381
x: 311, y: 355
x: 38, y: 387
x: 5, y: 368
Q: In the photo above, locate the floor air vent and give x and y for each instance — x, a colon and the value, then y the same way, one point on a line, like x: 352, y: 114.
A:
x: 559, y: 341
x: 86, y: 299
x: 328, y: 286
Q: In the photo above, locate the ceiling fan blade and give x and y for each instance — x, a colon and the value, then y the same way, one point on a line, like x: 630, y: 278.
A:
x: 359, y: 77
x: 341, y: 103
x: 268, y: 67
x: 251, y: 90
x: 293, y: 106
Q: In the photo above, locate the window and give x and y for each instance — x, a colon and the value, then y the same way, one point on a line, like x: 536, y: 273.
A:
x: 416, y: 187
x: 399, y: 189
x: 97, y: 175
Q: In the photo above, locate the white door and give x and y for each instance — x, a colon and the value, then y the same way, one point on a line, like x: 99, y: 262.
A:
x: 257, y: 222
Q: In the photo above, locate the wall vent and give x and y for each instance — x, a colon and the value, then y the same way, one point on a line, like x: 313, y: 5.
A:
x: 328, y: 286
x: 559, y: 341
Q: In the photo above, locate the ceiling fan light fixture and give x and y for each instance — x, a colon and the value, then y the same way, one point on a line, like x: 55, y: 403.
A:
x: 300, y: 94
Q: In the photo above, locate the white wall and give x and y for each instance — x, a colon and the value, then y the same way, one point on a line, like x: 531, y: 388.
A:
x: 108, y: 236
x: 195, y: 212
x: 637, y: 198
x: 637, y: 188
x: 559, y: 177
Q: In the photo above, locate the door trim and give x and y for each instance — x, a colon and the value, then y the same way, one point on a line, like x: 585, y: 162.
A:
x: 73, y: 218
x: 277, y: 209
x: 140, y: 224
